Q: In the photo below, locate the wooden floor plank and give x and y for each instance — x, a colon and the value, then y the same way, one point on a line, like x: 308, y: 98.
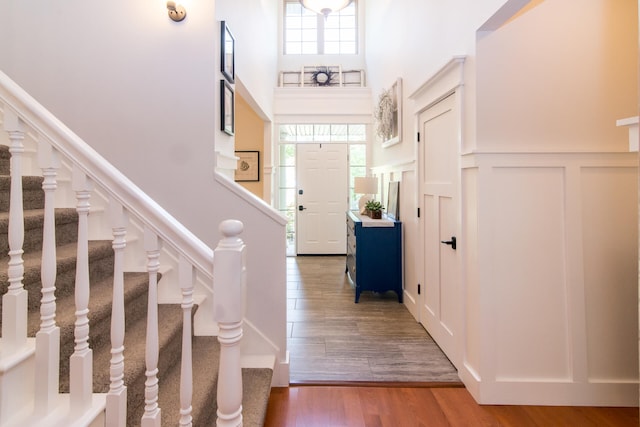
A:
x: 334, y: 406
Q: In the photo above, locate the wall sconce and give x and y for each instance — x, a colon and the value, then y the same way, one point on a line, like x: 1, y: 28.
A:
x: 176, y: 11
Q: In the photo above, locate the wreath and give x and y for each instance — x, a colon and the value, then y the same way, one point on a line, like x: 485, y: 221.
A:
x: 384, y: 114
x: 323, y: 76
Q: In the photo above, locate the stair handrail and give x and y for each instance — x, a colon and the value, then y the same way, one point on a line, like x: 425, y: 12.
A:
x: 116, y: 184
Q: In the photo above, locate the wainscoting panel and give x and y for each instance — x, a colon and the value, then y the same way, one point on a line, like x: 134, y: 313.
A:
x: 473, y: 322
x: 530, y: 303
x: 550, y: 249
x: 610, y: 236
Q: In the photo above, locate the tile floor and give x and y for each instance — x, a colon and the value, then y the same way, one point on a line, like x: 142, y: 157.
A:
x: 333, y: 339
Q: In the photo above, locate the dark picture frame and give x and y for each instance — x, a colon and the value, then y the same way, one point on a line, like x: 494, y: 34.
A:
x: 227, y: 53
x: 227, y: 108
x: 393, y: 201
x: 248, y: 168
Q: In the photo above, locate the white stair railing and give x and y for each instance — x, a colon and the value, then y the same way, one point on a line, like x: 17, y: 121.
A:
x: 21, y: 116
x: 116, y: 411
x: 151, y: 417
x: 228, y: 308
x: 81, y: 363
x: 187, y: 279
x: 48, y: 337
x: 14, y: 302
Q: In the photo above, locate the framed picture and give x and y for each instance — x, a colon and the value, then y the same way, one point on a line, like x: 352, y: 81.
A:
x: 393, y: 199
x: 227, y: 108
x: 227, y: 53
x: 388, y: 115
x: 248, y: 168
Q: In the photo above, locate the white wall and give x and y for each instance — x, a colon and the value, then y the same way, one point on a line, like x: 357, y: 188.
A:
x: 412, y: 40
x: 254, y: 26
x: 143, y: 91
x: 136, y: 86
x: 563, y: 87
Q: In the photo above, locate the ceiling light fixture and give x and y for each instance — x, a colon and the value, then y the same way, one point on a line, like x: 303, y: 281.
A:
x: 325, y: 7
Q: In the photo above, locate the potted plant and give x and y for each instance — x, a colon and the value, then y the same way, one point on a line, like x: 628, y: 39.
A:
x: 374, y: 208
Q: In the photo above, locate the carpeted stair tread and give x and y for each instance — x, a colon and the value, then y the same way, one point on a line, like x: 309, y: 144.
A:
x: 205, y: 374
x: 28, y: 183
x: 135, y: 287
x: 100, y: 265
x: 135, y: 284
x: 5, y: 158
x: 32, y: 193
x: 170, y: 318
x: 134, y: 347
x: 256, y: 387
x: 66, y: 225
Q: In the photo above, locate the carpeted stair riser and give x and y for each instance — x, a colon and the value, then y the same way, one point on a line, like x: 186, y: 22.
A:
x: 32, y: 198
x: 170, y: 330
x: 134, y: 364
x: 66, y: 221
x: 100, y: 265
x: 205, y: 374
x: 99, y: 320
x: 5, y: 160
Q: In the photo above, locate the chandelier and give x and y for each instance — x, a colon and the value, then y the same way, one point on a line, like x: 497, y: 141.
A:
x: 325, y: 7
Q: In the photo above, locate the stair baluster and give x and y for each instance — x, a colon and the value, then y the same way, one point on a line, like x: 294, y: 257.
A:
x: 228, y: 286
x: 14, y: 302
x: 152, y: 414
x: 48, y: 337
x: 187, y: 277
x: 81, y: 362
x: 116, y: 410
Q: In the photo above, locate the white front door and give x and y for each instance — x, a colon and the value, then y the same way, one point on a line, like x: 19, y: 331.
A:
x: 440, y: 305
x: 322, y: 196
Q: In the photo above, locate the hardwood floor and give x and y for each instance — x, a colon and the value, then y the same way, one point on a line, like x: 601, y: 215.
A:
x: 414, y: 407
x: 375, y: 350
x: 333, y: 339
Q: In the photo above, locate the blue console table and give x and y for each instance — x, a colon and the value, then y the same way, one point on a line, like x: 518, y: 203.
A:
x: 374, y: 254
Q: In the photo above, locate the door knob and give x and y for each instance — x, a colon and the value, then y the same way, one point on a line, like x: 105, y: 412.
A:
x: 301, y: 208
x: 451, y: 242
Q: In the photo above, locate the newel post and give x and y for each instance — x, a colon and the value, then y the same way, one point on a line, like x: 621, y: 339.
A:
x: 228, y: 281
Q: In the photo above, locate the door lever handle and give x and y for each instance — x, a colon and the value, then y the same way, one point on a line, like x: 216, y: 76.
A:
x: 301, y: 208
x: 451, y: 242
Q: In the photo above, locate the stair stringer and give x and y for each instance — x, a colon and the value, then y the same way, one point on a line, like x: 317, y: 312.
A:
x: 17, y: 382
x: 258, y: 351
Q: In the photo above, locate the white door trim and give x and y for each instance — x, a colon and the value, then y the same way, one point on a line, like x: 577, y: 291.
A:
x: 447, y: 81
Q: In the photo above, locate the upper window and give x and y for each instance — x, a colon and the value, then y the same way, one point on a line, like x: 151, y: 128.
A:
x: 308, y: 33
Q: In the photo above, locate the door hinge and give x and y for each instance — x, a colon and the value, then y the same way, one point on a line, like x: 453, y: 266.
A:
x: 418, y: 212
x: 418, y: 136
x: 418, y: 288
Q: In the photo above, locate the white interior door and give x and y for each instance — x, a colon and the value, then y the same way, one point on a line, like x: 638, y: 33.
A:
x: 440, y: 304
x: 322, y: 196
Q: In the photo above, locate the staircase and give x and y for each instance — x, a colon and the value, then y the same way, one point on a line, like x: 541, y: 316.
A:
x: 153, y: 381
